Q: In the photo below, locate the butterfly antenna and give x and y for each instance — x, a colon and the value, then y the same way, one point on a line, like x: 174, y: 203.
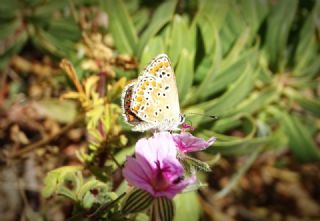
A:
x: 204, y: 115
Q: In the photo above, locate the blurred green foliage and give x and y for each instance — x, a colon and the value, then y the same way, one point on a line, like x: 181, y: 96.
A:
x: 254, y: 64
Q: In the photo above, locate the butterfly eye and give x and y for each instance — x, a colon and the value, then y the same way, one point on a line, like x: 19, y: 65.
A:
x: 182, y: 118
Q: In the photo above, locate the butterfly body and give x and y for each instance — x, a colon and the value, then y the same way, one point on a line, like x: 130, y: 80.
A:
x: 152, y: 102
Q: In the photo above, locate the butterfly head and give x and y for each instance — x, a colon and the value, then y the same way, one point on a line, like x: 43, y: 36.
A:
x: 182, y: 118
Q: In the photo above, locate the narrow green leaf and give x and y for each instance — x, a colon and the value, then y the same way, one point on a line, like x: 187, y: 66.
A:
x: 256, y: 101
x: 65, y: 29
x: 178, y: 38
x: 121, y: 26
x: 8, y: 27
x: 279, y: 24
x: 233, y: 96
x: 309, y: 104
x: 12, y: 49
x: 235, y: 22
x: 44, y: 40
x: 140, y: 19
x: 235, y: 51
x: 215, y: 11
x: 49, y: 7
x: 307, y: 48
x: 212, y: 67
x: 300, y: 141
x: 9, y: 7
x: 225, y: 124
x: 254, y: 13
x: 246, y: 145
x: 227, y: 76
x: 218, y: 79
x: 154, y: 47
x: 184, y: 74
x: 161, y: 16
x: 203, y: 68
x: 208, y: 32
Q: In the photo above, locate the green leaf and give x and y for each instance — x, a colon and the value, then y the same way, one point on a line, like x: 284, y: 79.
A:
x: 233, y: 96
x: 121, y: 26
x: 210, y: 18
x: 225, y: 124
x: 236, y: 50
x: 161, y: 16
x: 311, y: 105
x: 307, y: 47
x: 234, y: 24
x: 137, y: 201
x: 230, y: 74
x: 254, y: 13
x: 140, y: 19
x: 300, y: 140
x: 246, y: 145
x: 85, y: 195
x: 65, y: 29
x: 279, y: 24
x: 123, y: 153
x: 8, y: 27
x: 187, y: 207
x: 208, y: 33
x: 180, y: 38
x: 54, y: 182
x: 184, y: 74
x: 218, y: 77
x: 209, y: 69
x: 12, y: 49
x: 154, y: 47
x: 9, y: 8
x: 255, y: 102
x: 162, y: 209
x: 204, y: 68
x: 44, y: 40
x: 49, y: 7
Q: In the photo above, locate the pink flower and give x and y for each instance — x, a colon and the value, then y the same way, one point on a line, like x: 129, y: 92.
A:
x: 186, y: 126
x: 156, y: 168
x: 186, y: 142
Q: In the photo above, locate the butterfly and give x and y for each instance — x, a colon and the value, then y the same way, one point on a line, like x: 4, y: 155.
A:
x: 151, y: 102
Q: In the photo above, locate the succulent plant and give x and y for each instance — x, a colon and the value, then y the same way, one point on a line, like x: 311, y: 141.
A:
x: 254, y: 64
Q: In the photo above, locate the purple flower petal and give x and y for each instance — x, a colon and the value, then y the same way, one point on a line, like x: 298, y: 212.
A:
x: 186, y: 142
x: 155, y: 167
x: 135, y: 175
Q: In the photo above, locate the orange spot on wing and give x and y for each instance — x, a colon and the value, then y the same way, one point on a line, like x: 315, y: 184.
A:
x: 131, y: 118
x: 136, y: 108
